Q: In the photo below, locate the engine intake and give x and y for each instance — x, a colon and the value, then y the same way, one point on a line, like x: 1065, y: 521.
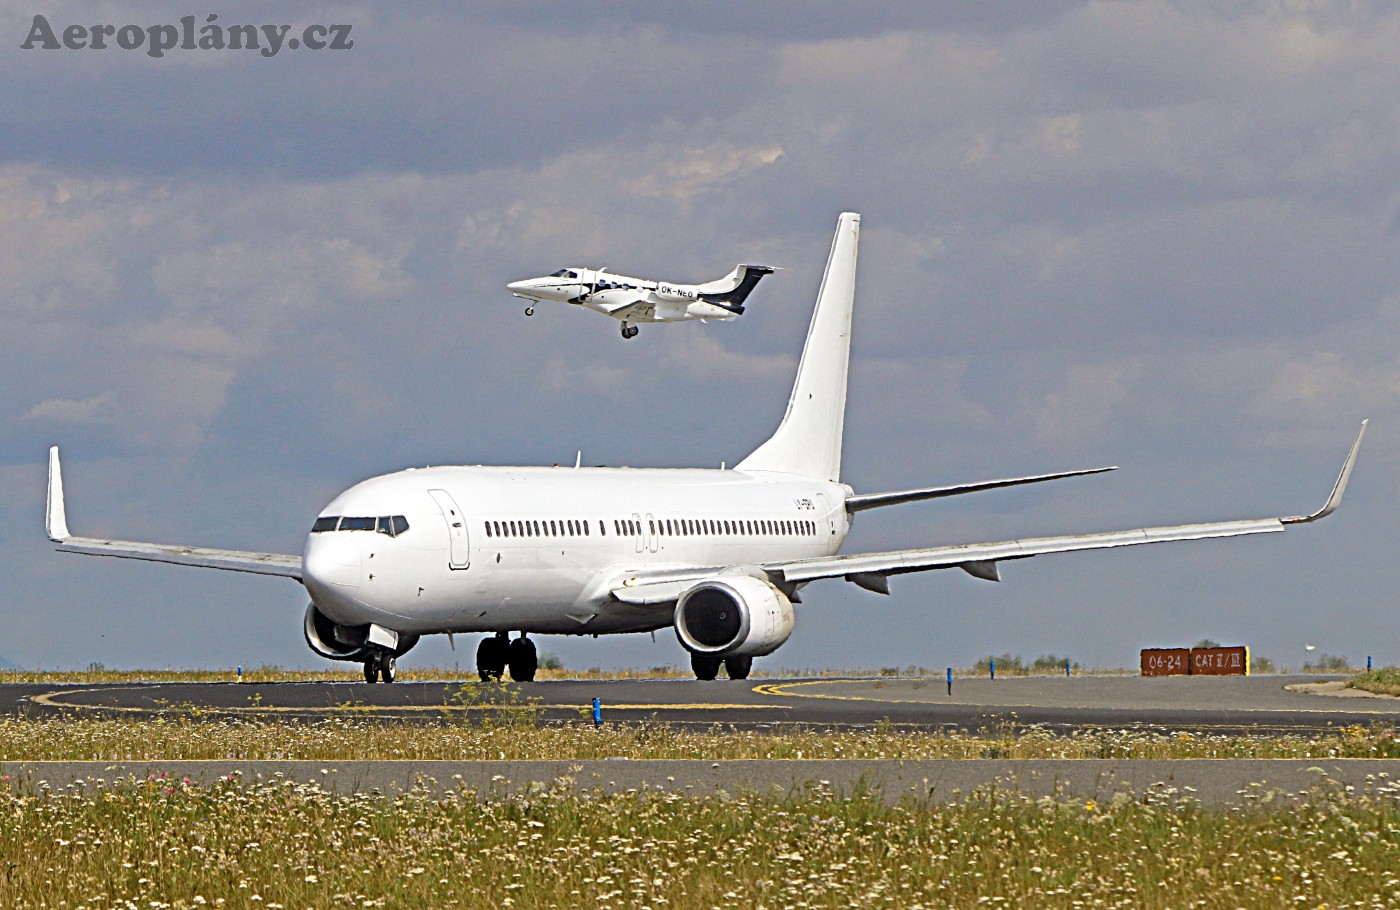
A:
x: 733, y: 616
x: 330, y: 639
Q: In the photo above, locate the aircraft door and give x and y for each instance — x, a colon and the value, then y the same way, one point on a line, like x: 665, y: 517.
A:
x: 827, y: 518
x: 653, y: 538
x: 458, y: 553
x: 641, y: 532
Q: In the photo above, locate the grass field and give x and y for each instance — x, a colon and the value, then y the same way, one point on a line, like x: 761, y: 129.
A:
x: 1382, y: 682
x: 277, y: 846
x: 507, y: 731
x: 161, y: 843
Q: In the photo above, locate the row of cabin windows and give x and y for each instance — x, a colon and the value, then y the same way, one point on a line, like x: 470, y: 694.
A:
x: 568, y: 527
x: 667, y: 527
x: 393, y: 525
x: 702, y: 527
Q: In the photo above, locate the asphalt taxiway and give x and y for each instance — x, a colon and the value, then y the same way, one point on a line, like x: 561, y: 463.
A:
x: 1224, y: 704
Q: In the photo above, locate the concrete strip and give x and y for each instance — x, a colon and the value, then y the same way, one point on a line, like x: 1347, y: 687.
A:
x: 1214, y: 783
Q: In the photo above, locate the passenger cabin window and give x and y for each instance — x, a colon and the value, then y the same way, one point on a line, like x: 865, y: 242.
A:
x: 325, y: 523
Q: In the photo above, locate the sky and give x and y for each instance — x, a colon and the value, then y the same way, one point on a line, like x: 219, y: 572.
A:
x: 1159, y: 235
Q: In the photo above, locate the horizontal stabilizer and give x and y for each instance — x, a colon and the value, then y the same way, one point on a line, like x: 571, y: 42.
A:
x: 876, y: 500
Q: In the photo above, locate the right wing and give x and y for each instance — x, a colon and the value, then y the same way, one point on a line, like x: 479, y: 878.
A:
x: 56, y: 524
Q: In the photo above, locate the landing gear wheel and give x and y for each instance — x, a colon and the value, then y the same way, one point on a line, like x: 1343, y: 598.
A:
x: 388, y: 666
x: 629, y: 331
x: 522, y: 660
x: 529, y: 311
x: 738, y: 667
x: 491, y: 658
x: 705, y: 666
x: 372, y: 670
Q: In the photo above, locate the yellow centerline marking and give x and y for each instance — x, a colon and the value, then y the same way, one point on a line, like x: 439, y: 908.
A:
x: 57, y: 700
x: 782, y: 690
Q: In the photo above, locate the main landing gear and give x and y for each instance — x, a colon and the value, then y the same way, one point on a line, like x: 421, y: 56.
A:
x: 530, y: 310
x: 380, y: 665
x: 707, y: 666
x: 629, y: 331
x: 498, y: 652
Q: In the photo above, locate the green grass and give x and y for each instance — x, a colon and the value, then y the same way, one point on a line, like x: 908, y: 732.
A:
x: 276, y: 846
x: 1382, y: 682
x: 508, y: 731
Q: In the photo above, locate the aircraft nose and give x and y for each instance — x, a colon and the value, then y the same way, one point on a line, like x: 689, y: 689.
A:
x: 520, y: 285
x: 331, y: 562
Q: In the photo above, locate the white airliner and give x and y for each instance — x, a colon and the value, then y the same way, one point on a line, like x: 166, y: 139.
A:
x: 633, y: 300
x: 720, y: 555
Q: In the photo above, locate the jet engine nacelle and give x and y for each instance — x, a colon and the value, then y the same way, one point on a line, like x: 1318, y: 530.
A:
x: 330, y: 639
x: 733, y: 616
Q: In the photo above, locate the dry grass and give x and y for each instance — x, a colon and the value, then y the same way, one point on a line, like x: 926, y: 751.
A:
x: 270, y: 846
x: 506, y: 728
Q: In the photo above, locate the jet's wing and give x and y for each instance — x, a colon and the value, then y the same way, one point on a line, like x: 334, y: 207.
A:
x: 56, y: 524
x: 872, y: 570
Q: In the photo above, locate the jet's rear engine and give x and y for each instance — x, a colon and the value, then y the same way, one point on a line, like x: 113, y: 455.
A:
x: 733, y: 616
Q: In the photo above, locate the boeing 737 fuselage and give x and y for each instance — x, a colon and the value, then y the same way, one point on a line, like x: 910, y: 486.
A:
x: 720, y: 555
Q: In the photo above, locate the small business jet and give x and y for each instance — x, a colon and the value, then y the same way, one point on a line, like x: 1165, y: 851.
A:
x: 721, y: 556
x: 634, y: 300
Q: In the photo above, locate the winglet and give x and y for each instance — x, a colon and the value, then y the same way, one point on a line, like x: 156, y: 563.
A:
x: 1338, y: 489
x: 55, y: 519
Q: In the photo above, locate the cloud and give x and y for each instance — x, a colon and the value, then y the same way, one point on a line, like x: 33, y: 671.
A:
x: 66, y: 410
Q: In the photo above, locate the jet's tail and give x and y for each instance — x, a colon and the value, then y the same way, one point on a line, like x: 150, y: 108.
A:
x: 808, y: 441
x: 733, y: 289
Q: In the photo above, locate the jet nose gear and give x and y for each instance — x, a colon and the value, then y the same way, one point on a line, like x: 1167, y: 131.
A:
x: 530, y: 310
x: 380, y: 665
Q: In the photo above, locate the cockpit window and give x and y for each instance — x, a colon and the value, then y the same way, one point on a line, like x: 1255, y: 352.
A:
x: 393, y: 525
x: 357, y: 524
x: 325, y: 523
x: 565, y: 273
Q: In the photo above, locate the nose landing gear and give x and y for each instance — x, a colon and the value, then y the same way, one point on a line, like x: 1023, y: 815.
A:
x: 380, y: 665
x: 530, y: 310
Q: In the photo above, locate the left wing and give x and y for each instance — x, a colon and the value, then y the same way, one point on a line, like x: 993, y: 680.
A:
x: 872, y: 570
x: 56, y: 524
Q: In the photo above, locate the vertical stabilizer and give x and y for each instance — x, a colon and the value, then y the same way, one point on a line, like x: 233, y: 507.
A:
x: 808, y: 441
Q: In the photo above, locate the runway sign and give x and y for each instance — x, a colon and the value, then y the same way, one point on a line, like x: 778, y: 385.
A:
x: 1232, y: 661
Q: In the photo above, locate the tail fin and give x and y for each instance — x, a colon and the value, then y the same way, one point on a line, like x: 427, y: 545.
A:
x: 733, y: 289
x: 808, y: 441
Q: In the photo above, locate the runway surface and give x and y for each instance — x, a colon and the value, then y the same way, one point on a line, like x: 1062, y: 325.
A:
x: 1224, y: 704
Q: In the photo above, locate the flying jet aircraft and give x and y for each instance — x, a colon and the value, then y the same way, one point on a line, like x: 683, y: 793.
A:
x: 721, y: 556
x: 634, y: 300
